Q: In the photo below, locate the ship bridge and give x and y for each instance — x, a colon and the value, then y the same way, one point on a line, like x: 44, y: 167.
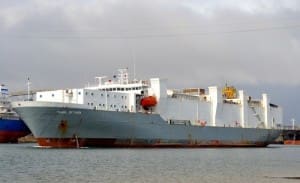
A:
x: 120, y: 83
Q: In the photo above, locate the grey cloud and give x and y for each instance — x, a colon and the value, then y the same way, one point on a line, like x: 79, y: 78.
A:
x: 192, y: 43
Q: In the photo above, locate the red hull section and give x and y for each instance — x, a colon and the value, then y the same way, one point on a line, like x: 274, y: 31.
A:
x: 73, y: 143
x: 292, y: 142
x: 11, y: 136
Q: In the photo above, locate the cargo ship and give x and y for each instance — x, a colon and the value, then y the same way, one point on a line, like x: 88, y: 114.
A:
x: 11, y: 126
x: 119, y: 112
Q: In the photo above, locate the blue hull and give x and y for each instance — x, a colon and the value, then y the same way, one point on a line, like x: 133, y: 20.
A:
x: 12, y: 129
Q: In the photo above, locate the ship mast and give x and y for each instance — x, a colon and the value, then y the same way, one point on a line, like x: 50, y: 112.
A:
x: 293, y: 123
x: 123, y: 76
x: 28, y: 89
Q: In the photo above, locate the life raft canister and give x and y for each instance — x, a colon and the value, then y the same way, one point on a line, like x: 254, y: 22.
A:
x: 148, y: 102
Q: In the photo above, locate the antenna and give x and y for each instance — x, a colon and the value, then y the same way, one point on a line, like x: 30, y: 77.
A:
x: 133, y: 59
x: 28, y: 89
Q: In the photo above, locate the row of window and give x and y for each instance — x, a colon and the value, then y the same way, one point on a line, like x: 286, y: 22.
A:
x: 92, y: 94
x: 121, y: 89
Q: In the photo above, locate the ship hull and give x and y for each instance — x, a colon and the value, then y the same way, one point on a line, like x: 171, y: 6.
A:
x: 65, y: 126
x: 143, y: 143
x: 12, y: 129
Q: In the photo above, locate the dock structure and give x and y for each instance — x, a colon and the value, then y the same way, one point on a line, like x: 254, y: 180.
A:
x: 291, y: 135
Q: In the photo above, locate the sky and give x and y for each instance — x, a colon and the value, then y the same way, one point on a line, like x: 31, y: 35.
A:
x: 251, y: 44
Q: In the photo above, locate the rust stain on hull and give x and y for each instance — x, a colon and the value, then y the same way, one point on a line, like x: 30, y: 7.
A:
x: 292, y: 142
x: 82, y: 142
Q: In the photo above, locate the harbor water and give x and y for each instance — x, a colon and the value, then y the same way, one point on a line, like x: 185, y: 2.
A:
x: 27, y: 163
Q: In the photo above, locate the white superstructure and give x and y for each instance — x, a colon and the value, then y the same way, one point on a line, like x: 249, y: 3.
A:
x: 211, y: 107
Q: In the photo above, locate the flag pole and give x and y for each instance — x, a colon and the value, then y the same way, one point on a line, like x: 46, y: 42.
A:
x: 28, y: 89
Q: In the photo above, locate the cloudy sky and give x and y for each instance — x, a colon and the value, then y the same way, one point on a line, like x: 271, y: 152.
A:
x: 252, y: 44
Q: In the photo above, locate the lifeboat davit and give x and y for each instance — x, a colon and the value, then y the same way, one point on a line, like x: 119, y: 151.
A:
x: 148, y: 102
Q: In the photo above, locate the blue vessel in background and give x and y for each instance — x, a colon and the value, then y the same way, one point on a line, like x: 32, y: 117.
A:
x: 11, y: 126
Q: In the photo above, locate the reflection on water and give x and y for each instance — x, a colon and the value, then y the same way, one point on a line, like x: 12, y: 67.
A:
x: 26, y: 163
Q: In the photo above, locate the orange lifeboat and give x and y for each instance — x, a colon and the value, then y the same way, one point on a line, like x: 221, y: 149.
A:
x: 148, y: 102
